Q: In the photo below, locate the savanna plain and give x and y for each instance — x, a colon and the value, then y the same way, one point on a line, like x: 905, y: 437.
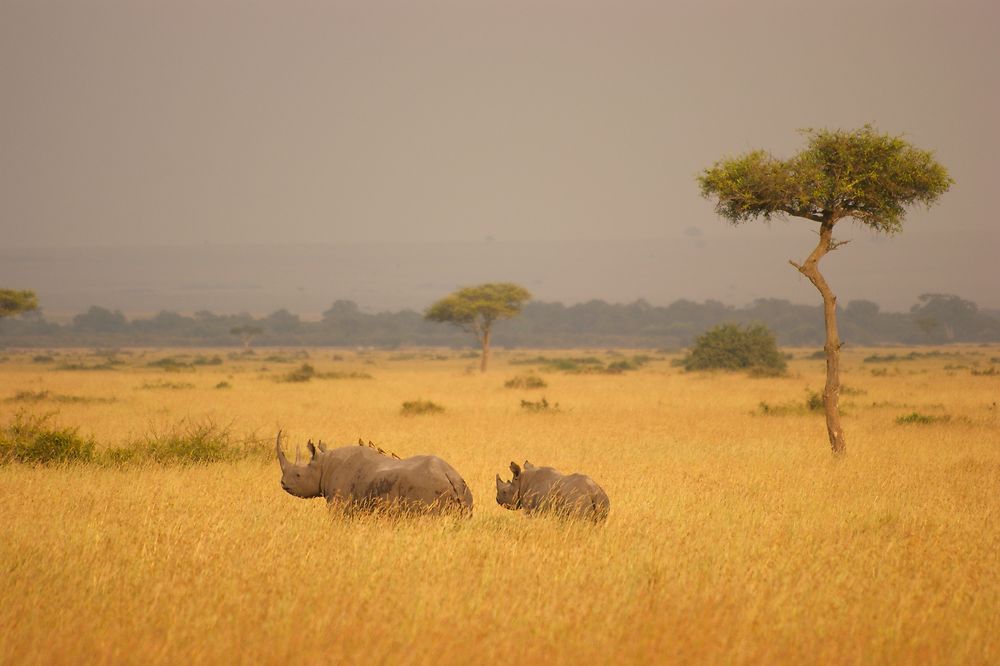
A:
x: 734, y: 536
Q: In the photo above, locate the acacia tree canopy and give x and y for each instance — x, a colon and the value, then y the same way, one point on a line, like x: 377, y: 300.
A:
x: 13, y: 301
x: 476, y: 309
x: 865, y: 175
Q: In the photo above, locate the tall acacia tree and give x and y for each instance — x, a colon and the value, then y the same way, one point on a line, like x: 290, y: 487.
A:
x: 476, y: 309
x: 863, y: 175
x: 13, y: 301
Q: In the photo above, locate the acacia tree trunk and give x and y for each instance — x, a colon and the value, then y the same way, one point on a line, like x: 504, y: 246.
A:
x: 486, y: 349
x: 831, y: 391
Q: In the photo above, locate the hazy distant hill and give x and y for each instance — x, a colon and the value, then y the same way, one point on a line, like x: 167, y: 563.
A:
x: 731, y: 266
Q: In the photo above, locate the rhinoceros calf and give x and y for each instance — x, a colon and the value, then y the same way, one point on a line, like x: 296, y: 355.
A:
x: 364, y: 478
x: 546, y: 489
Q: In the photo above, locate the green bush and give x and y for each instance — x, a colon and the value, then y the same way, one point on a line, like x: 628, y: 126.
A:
x: 31, y: 439
x: 734, y: 347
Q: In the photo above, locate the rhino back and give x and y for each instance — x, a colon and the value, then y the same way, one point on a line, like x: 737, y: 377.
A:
x: 364, y: 476
x: 570, y: 494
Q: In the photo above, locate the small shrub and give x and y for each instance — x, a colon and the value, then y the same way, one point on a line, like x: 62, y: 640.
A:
x: 539, y: 406
x: 988, y: 372
x: 525, y: 382
x: 29, y: 396
x: 42, y: 358
x: 921, y: 419
x: 880, y: 372
x: 303, y: 373
x: 30, y: 439
x: 206, y: 360
x: 106, y: 365
x: 169, y: 364
x: 415, y: 407
x: 734, y: 347
x: 176, y: 386
x: 223, y: 385
x: 814, y: 403
x: 342, y: 375
x: 850, y: 390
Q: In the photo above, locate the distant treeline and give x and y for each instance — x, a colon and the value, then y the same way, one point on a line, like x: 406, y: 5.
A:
x: 935, y: 319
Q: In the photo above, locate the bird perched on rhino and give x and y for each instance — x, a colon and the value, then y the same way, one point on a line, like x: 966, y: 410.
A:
x: 367, y: 478
x: 538, y: 489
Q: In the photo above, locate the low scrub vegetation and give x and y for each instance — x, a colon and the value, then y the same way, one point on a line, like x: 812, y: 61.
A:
x: 40, y: 396
x: 417, y: 407
x: 306, y: 372
x: 542, y: 405
x: 175, y: 386
x: 526, y: 382
x: 185, y: 443
x: 921, y: 419
x: 34, y: 439
x: 585, y: 364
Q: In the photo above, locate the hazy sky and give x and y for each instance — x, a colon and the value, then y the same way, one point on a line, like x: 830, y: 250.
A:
x: 187, y: 122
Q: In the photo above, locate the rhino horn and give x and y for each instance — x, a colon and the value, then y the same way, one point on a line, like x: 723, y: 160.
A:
x: 282, y: 460
x: 298, y: 454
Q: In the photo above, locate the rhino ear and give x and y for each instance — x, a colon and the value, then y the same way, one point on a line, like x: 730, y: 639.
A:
x: 361, y: 442
x: 515, y: 469
x: 312, y: 449
x: 322, y: 446
x: 528, y: 465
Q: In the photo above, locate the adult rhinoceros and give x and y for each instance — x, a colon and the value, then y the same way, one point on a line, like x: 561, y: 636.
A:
x: 362, y: 477
x: 546, y: 489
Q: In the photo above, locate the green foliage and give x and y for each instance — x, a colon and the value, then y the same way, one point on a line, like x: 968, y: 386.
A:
x: 921, y: 419
x: 525, y: 382
x: 31, y: 439
x: 416, y: 407
x: 13, y: 301
x: 868, y: 176
x: 474, y: 308
x: 734, y: 347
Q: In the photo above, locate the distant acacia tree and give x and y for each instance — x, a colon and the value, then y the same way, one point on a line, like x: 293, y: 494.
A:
x: 246, y: 333
x: 863, y: 174
x: 13, y: 302
x: 477, y: 309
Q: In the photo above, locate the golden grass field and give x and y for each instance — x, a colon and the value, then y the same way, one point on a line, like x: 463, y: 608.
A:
x: 734, y: 536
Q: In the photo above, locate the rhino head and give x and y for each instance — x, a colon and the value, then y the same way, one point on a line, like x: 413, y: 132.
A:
x: 509, y: 492
x: 299, y: 480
